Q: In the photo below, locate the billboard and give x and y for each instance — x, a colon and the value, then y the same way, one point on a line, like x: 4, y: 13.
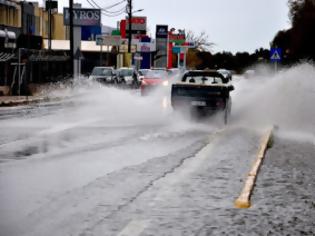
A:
x: 146, y: 47
x: 138, y: 23
x: 178, y: 39
x: 161, y: 46
x: 90, y: 32
x: 82, y: 16
x: 161, y: 32
x: 108, y: 40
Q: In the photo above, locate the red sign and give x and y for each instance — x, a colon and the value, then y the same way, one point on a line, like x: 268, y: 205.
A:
x: 177, y: 38
x: 137, y: 20
x: 138, y: 23
x: 123, y: 28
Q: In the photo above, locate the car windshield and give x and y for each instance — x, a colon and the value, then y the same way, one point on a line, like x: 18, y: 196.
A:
x: 101, y: 71
x: 207, y: 80
x: 157, y: 74
x: 126, y: 72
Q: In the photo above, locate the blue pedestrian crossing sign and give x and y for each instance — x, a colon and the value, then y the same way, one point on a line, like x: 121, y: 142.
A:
x: 275, y: 54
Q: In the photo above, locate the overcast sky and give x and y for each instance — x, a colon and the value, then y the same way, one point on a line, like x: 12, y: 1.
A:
x: 233, y: 25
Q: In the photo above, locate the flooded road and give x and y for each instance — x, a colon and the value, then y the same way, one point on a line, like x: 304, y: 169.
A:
x: 109, y: 162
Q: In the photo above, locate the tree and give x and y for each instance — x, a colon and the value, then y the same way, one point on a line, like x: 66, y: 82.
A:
x: 298, y: 42
x: 202, y: 41
x: 193, y: 59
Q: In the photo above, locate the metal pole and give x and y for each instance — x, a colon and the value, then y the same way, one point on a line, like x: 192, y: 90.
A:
x: 185, y: 58
x: 276, y: 66
x: 71, y: 36
x: 49, y: 23
x: 101, y: 55
x: 79, y: 67
x: 19, y: 82
x: 108, y: 56
x: 130, y: 25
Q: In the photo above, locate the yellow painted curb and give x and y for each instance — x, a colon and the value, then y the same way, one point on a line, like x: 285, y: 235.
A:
x: 243, y: 201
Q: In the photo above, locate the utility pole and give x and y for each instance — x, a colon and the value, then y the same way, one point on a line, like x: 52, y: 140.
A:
x: 129, y: 8
x: 71, y: 36
x: 49, y: 23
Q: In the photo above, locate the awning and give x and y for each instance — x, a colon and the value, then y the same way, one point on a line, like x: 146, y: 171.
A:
x: 86, y: 46
x: 6, y: 56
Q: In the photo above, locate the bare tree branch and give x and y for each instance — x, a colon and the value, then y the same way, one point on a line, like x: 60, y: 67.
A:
x: 202, y: 40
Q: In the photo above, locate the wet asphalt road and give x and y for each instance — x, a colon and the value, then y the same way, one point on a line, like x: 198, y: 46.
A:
x: 188, y: 190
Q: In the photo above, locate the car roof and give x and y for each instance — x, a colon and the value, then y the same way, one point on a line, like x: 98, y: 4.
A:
x: 103, y: 67
x: 158, y: 68
x: 204, y: 73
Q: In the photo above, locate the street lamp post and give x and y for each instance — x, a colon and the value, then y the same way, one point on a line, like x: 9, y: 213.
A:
x: 130, y: 25
x: 49, y: 25
x: 71, y: 36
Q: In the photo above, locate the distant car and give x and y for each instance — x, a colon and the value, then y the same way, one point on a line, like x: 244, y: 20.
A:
x: 226, y: 73
x: 249, y: 73
x: 153, y: 79
x: 202, y: 93
x: 128, y: 76
x: 103, y: 74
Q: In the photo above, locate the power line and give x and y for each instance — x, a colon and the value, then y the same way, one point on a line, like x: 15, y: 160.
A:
x: 116, y: 4
x: 106, y: 12
x: 106, y: 8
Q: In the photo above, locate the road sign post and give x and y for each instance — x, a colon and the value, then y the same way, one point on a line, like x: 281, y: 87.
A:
x: 276, y: 56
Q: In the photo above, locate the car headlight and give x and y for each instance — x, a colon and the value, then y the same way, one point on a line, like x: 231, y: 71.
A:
x: 165, y: 83
x: 143, y: 82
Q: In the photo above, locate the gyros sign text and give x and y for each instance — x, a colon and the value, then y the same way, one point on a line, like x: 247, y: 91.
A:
x: 82, y: 16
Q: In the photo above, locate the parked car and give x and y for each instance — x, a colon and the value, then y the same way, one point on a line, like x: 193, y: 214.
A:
x: 103, y: 74
x: 128, y: 76
x: 153, y: 79
x: 202, y: 93
x: 142, y: 73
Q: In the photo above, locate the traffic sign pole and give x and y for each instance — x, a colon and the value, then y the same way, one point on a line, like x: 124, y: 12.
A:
x: 275, y: 57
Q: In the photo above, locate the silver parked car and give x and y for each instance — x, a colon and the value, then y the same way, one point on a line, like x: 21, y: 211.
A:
x: 103, y: 74
x: 128, y: 76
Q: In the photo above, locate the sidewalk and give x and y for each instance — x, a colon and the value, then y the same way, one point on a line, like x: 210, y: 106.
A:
x: 20, y: 100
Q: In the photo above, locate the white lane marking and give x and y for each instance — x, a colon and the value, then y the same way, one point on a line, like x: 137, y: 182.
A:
x: 134, y: 228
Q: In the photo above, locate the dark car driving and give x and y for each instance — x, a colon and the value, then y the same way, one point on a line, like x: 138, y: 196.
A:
x: 202, y: 93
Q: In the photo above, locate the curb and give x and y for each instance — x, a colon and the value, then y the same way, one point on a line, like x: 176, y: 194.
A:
x: 243, y: 201
x: 26, y: 101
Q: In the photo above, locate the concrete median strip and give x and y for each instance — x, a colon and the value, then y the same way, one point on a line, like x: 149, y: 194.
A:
x: 243, y: 201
